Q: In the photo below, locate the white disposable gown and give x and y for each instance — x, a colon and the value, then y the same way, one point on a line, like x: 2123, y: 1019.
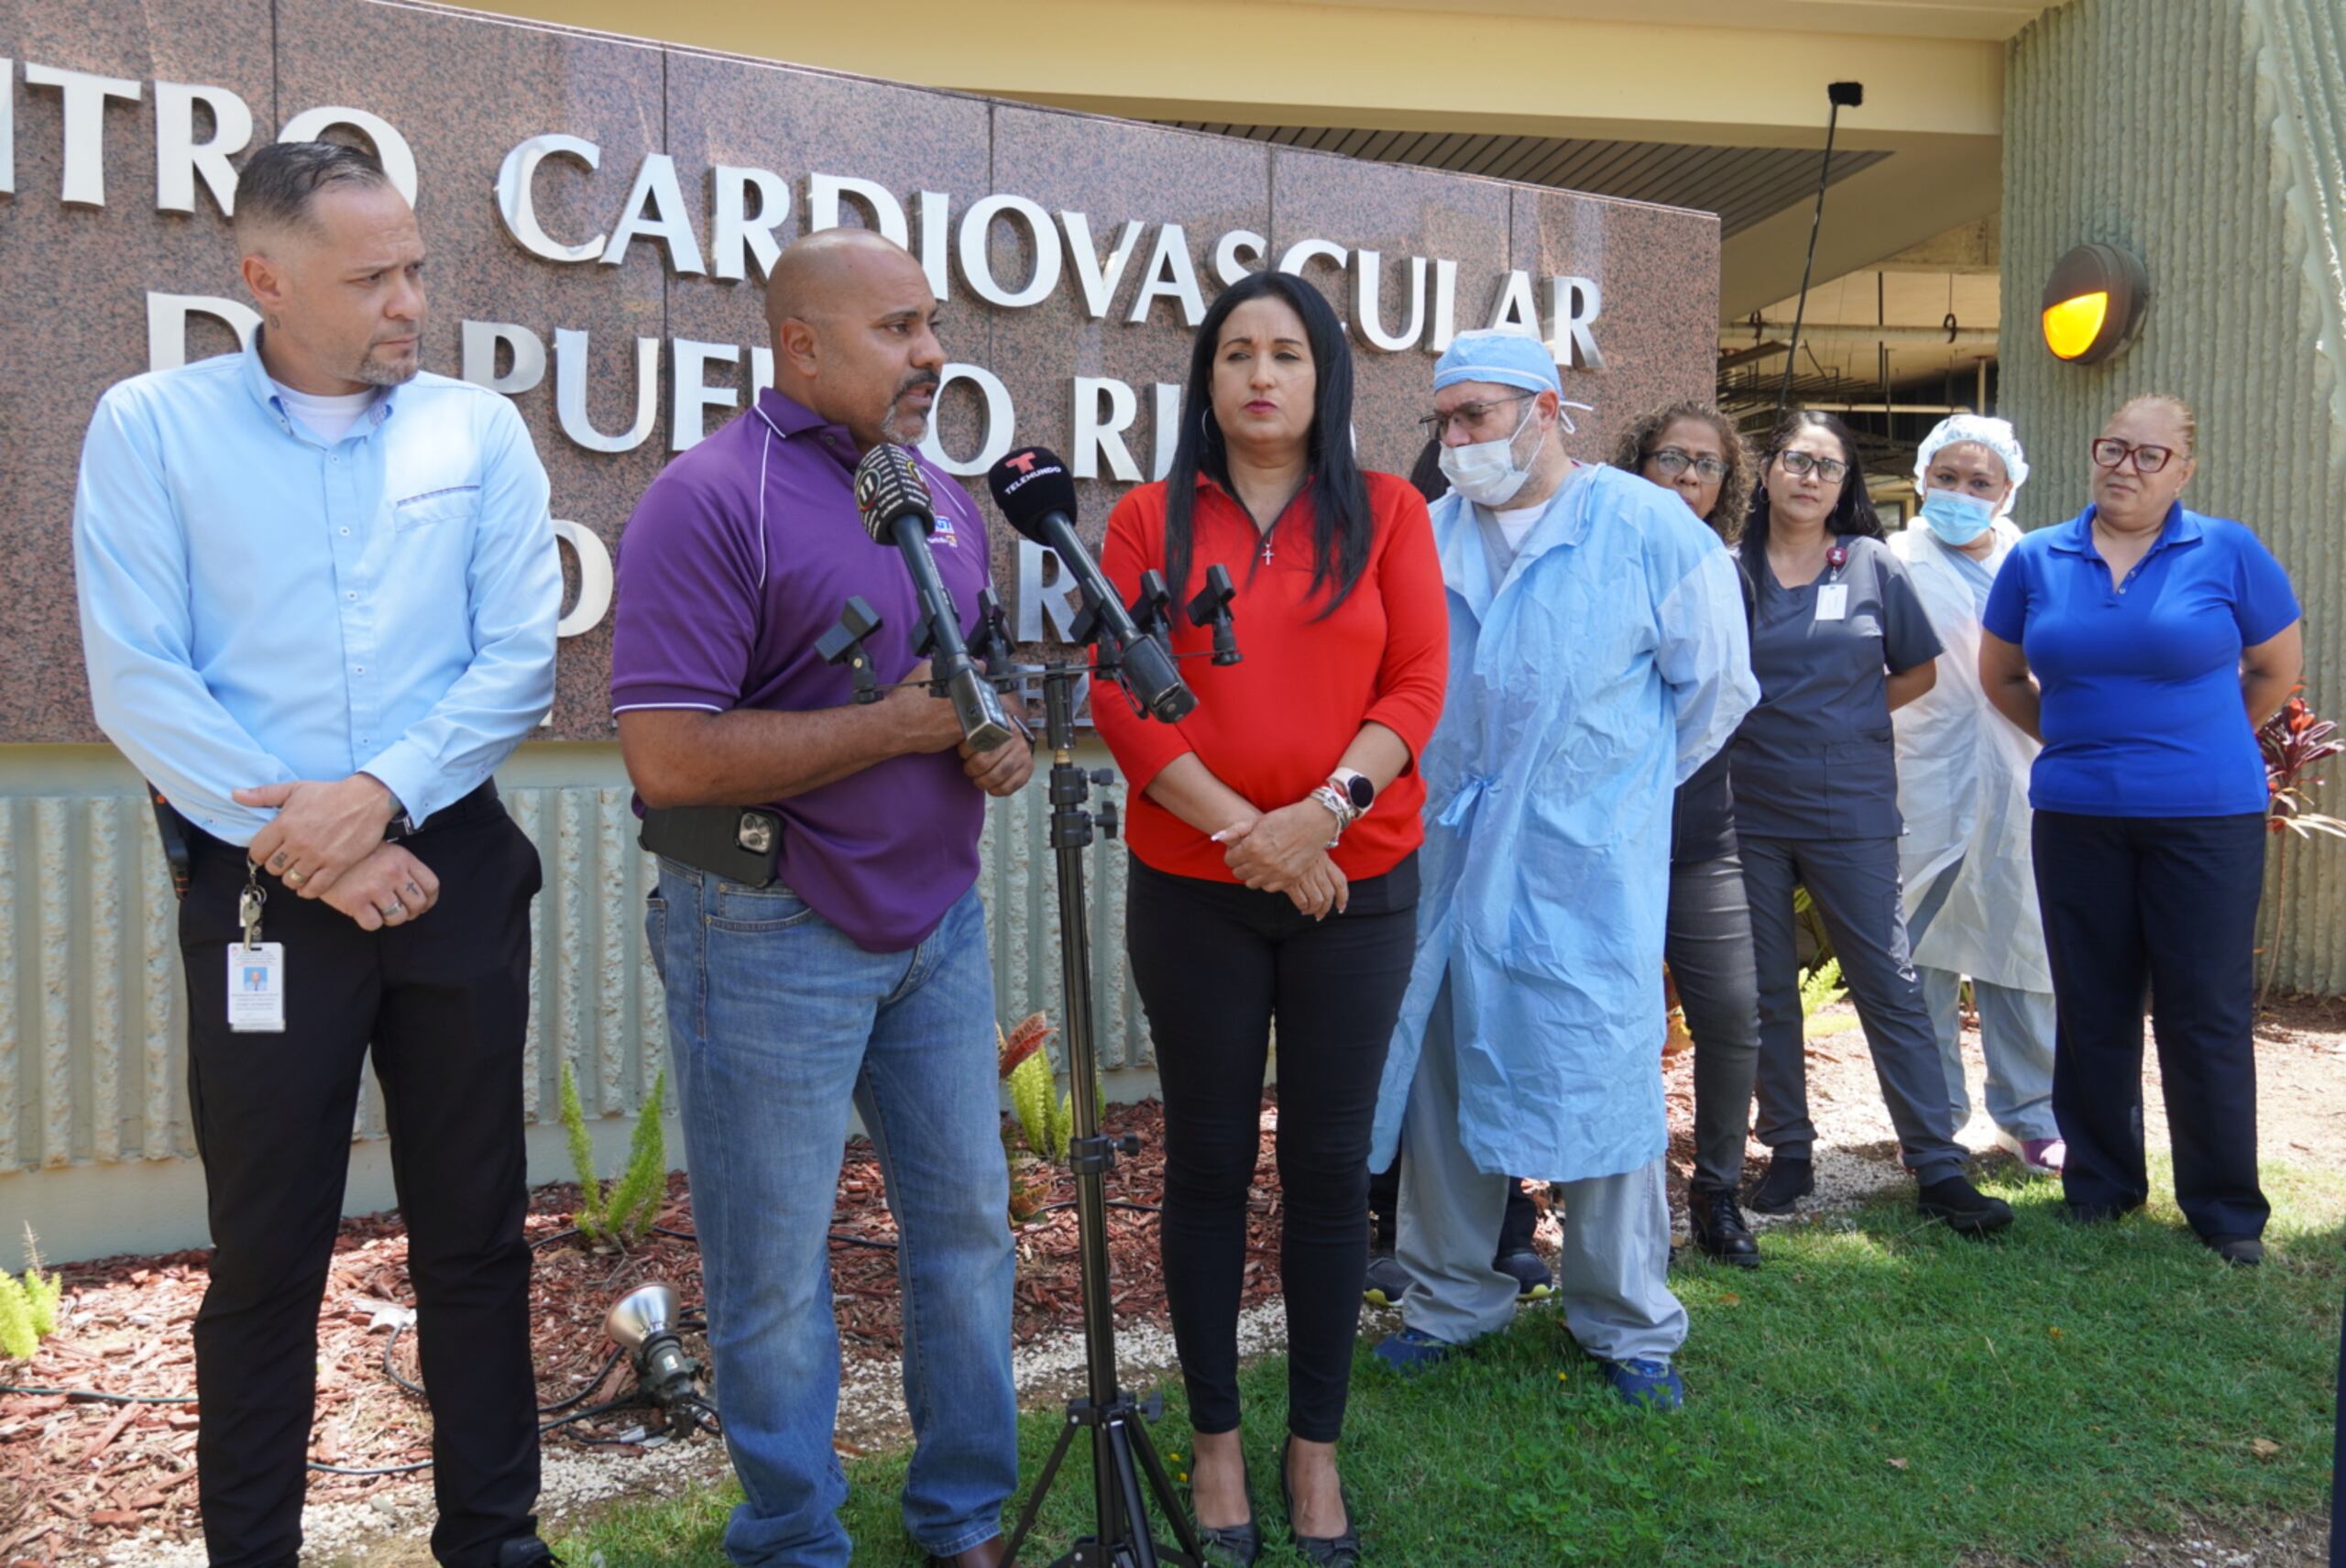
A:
x: 1963, y: 788
x: 1611, y: 662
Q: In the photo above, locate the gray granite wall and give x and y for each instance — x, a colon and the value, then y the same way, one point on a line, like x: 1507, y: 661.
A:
x: 93, y: 103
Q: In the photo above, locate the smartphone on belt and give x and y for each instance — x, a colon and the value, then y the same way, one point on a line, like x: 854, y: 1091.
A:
x: 737, y: 842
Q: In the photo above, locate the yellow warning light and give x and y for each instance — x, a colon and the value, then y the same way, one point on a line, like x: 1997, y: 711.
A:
x: 2071, y: 326
x: 2094, y: 303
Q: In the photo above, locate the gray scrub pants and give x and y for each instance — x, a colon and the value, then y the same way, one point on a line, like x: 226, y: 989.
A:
x: 2016, y: 1037
x: 1613, y: 1279
x: 1854, y: 886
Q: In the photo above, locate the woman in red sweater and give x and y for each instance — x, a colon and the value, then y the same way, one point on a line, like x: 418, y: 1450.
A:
x: 1273, y: 834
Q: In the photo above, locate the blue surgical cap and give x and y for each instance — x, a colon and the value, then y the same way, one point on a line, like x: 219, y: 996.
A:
x: 1509, y: 358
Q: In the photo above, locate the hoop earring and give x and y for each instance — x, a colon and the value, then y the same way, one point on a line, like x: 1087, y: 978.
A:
x: 1208, y: 432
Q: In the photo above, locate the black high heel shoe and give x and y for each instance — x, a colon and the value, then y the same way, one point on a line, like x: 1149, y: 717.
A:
x: 1231, y: 1545
x: 1329, y: 1551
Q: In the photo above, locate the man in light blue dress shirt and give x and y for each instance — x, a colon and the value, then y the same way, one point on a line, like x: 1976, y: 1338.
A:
x: 318, y: 594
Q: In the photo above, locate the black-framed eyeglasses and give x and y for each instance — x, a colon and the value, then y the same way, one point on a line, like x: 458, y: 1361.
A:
x: 1671, y: 463
x: 1801, y: 464
x: 2108, y: 452
x: 1469, y: 416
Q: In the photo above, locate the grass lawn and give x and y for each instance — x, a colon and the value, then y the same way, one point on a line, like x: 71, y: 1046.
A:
x: 1880, y: 1393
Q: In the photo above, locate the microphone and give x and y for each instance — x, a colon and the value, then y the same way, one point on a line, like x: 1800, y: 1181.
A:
x: 894, y: 502
x: 1037, y: 497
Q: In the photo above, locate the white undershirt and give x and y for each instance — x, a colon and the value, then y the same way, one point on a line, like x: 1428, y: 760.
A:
x: 329, y: 419
x: 1514, y: 524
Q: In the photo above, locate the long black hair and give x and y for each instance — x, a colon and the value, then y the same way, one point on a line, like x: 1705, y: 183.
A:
x: 1852, y: 515
x: 1337, y: 494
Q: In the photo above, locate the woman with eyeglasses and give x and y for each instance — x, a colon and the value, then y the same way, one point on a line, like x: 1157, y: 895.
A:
x: 1274, y: 875
x: 1694, y: 451
x: 2143, y: 644
x: 1838, y: 639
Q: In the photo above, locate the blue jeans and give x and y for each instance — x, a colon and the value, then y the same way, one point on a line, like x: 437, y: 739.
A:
x: 2015, y: 1034
x: 776, y: 1022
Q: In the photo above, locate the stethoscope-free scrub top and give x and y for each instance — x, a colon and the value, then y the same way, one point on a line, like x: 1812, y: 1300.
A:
x: 1817, y: 759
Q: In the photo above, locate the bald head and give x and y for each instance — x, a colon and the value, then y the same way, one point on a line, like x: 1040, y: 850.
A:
x: 819, y: 276
x: 854, y: 327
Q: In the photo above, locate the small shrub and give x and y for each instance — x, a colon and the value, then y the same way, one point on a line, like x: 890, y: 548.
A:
x: 622, y: 1214
x: 27, y: 1306
x: 1821, y: 988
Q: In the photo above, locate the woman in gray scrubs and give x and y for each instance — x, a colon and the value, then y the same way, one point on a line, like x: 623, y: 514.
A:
x: 1838, y: 639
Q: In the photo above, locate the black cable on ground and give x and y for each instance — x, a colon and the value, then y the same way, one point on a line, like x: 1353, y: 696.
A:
x: 94, y: 1396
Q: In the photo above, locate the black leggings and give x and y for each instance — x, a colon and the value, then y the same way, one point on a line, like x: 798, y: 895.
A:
x: 1217, y: 964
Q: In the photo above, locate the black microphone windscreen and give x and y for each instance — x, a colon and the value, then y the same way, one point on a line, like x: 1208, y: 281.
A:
x: 1028, y: 486
x: 888, y: 486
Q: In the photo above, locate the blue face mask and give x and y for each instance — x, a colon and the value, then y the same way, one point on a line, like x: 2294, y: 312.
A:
x: 1956, y: 517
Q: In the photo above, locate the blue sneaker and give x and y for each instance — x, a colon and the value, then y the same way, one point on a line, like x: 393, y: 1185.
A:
x: 1387, y: 1281
x: 1645, y: 1385
x: 1533, y: 1282
x: 1412, y: 1351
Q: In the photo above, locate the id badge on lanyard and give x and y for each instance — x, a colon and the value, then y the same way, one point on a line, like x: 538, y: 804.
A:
x: 256, y: 969
x: 1833, y: 594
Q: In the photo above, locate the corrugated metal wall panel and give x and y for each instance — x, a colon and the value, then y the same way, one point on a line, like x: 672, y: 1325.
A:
x: 91, y: 1067
x: 2210, y: 137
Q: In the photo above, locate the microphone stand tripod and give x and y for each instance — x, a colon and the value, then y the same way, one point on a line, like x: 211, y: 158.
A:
x: 1123, y: 1457
x: 1121, y: 1454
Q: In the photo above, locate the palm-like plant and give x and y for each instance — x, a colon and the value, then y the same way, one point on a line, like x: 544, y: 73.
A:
x: 2293, y: 740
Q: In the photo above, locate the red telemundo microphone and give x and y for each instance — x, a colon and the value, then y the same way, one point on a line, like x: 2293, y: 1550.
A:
x: 1037, y: 497
x: 894, y: 501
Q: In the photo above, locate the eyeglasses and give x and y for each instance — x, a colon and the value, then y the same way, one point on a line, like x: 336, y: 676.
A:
x: 2108, y: 452
x: 1467, y: 416
x: 1673, y: 463
x: 1801, y: 464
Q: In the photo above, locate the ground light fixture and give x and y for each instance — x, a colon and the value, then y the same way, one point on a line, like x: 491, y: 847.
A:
x: 643, y: 1323
x: 2094, y: 303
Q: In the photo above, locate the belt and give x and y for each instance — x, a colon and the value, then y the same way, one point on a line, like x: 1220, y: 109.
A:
x: 480, y: 805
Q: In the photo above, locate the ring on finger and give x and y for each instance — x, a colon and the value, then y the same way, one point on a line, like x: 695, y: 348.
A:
x: 393, y: 910
x: 295, y: 879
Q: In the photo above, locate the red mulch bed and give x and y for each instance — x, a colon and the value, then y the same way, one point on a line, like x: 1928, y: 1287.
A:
x: 75, y: 1476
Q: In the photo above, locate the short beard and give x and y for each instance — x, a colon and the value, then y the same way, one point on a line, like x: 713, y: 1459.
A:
x: 895, y: 423
x: 373, y: 372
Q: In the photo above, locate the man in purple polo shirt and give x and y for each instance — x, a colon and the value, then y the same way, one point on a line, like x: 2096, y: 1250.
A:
x: 859, y: 974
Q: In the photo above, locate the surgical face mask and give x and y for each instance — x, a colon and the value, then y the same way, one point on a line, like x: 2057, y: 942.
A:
x: 1956, y: 517
x: 1486, y: 472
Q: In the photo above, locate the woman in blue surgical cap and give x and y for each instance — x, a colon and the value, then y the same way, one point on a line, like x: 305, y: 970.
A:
x: 1970, y: 893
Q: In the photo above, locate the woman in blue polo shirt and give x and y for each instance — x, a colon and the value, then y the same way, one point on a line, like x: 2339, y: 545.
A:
x: 2143, y: 644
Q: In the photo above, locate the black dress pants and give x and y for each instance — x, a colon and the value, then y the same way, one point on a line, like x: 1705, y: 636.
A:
x: 2166, y: 904
x: 1217, y: 964
x: 445, y: 1003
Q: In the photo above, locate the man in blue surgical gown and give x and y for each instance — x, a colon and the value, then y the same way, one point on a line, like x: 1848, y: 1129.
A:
x: 1598, y: 656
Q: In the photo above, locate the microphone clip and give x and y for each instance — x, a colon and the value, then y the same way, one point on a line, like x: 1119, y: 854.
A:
x: 1211, y: 606
x: 843, y: 644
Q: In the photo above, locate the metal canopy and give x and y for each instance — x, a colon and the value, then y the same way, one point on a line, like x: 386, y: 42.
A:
x: 1744, y: 185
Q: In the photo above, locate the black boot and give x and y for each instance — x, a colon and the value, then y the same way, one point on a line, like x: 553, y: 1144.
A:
x: 1718, y: 1225
x: 1789, y: 1178
x: 1956, y: 1203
